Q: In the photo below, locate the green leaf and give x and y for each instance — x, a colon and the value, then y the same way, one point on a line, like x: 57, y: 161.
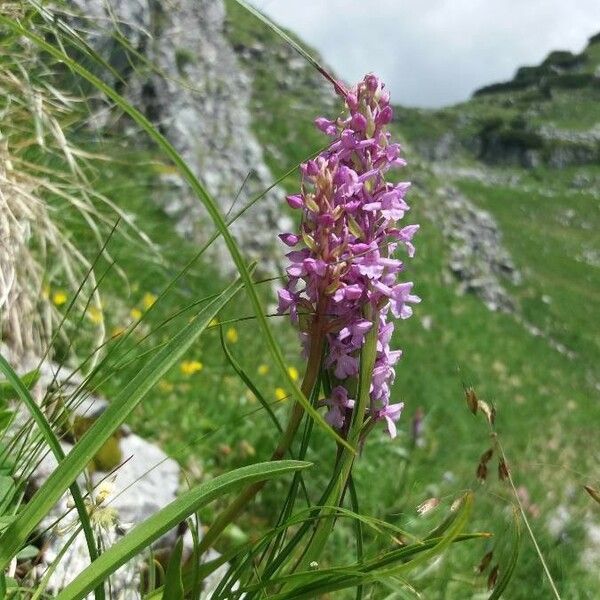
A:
x: 358, y: 531
x: 6, y: 416
x: 173, y: 579
x: 8, y: 489
x: 7, y: 390
x: 203, y: 570
x: 28, y: 553
x: 313, y: 584
x: 5, y: 522
x: 118, y: 410
x: 167, y: 518
x: 457, y: 522
x: 393, y: 563
x: 12, y: 589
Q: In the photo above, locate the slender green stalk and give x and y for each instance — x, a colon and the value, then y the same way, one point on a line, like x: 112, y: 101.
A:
x: 509, y: 568
x: 526, y: 521
x: 40, y: 587
x: 359, y: 532
x: 249, y: 383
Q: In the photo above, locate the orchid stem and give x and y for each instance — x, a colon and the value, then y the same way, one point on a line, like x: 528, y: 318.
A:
x: 310, y: 378
x: 345, y: 459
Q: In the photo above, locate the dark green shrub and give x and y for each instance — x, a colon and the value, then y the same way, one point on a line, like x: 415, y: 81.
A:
x: 564, y: 59
x: 571, y: 80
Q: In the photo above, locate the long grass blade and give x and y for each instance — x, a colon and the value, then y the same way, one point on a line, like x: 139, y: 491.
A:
x: 295, y: 45
x: 249, y: 383
x: 358, y: 531
x: 173, y: 580
x: 314, y: 584
x: 167, y: 518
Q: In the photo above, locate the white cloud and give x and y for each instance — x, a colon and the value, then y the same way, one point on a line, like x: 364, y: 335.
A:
x: 435, y: 52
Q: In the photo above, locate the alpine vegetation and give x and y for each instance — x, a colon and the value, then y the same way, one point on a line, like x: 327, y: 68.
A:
x: 249, y: 517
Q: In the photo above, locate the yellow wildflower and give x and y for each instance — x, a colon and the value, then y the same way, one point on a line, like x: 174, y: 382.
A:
x: 104, y: 490
x: 59, y: 298
x: 232, y: 335
x: 95, y: 315
x: 247, y: 449
x: 293, y: 373
x: 263, y: 369
x: 189, y: 367
x: 165, y: 386
x: 136, y: 314
x: 104, y: 518
x: 280, y: 394
x: 148, y: 300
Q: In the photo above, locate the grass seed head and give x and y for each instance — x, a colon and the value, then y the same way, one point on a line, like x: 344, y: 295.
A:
x: 493, y: 577
x: 593, y: 492
x: 485, y: 562
x: 482, y: 472
x: 427, y: 506
x: 472, y: 401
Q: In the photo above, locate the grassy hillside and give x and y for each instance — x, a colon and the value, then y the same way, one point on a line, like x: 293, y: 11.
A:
x: 547, y: 398
x: 537, y: 364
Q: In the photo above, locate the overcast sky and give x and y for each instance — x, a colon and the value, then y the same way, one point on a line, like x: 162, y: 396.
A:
x: 436, y: 52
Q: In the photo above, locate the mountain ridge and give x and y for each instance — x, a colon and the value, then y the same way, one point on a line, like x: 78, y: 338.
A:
x: 555, y: 70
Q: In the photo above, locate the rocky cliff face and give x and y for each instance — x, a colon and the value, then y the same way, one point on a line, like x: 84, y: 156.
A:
x: 191, y: 84
x: 477, y: 257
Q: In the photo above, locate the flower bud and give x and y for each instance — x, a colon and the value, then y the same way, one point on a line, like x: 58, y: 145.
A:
x: 289, y: 239
x: 294, y: 201
x: 326, y: 126
x: 359, y: 122
x: 384, y: 116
